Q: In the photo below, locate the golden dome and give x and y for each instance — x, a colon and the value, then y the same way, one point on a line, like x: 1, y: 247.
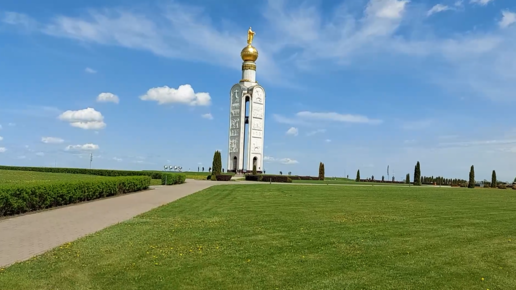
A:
x: 249, y: 53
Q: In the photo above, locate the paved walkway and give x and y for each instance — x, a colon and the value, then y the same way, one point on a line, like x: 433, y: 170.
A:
x: 22, y: 237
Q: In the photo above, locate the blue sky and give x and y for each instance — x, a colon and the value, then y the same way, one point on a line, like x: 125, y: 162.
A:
x: 354, y: 84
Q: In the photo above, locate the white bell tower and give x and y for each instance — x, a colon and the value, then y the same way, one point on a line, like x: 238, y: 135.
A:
x: 247, y: 112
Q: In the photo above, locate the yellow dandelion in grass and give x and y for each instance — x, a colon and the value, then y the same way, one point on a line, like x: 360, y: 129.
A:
x: 2, y: 269
x: 248, y: 260
x: 180, y: 254
x: 482, y: 279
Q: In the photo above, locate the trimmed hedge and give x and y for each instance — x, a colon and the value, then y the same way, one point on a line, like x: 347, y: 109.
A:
x: 223, y: 177
x: 502, y: 186
x: 21, y: 198
x: 172, y: 178
x: 99, y: 172
x: 269, y: 178
x: 385, y: 181
x: 297, y: 177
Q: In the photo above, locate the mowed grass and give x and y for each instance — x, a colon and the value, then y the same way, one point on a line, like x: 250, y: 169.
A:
x: 346, y: 181
x: 16, y: 176
x: 295, y: 237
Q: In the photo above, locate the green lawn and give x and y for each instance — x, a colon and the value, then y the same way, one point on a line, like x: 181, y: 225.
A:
x: 16, y: 176
x: 295, y: 237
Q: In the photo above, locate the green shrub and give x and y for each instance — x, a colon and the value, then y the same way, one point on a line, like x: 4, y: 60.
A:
x: 298, y: 177
x: 172, y: 178
x: 99, y: 172
x: 223, y: 177
x: 502, y: 186
x: 208, y: 177
x: 21, y: 198
x: 268, y: 178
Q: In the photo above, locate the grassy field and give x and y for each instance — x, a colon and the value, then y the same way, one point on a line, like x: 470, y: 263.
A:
x: 295, y: 237
x: 16, y: 176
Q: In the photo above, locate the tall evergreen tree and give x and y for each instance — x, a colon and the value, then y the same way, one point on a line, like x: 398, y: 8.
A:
x: 493, y: 179
x: 407, y: 178
x: 216, y: 165
x: 358, y: 176
x: 321, y: 171
x: 471, y: 183
x: 417, y: 174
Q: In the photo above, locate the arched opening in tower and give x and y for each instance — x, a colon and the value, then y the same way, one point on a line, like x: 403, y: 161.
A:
x: 246, y: 131
x: 235, y: 163
x: 255, y: 163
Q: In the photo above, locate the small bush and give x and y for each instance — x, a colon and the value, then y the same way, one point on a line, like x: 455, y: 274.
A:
x: 172, y: 178
x: 223, y: 177
x: 21, y: 198
x: 268, y: 178
x: 502, y: 186
x: 514, y: 186
x: 208, y: 177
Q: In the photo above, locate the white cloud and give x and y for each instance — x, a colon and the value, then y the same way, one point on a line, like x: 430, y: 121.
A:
x: 0, y: 126
x: 1, y: 138
x: 437, y: 8
x: 107, y: 98
x: 183, y: 95
x: 292, y: 131
x: 90, y: 70
x: 207, y: 116
x: 2, y: 149
x: 88, y: 119
x: 11, y: 124
x: 41, y: 154
x: 118, y: 159
x: 508, y: 18
x: 474, y: 62
x: 389, y: 9
x: 458, y: 3
x: 417, y: 125
x: 480, y: 2
x: 327, y: 140
x: 286, y: 161
x: 18, y: 19
x: 318, y: 131
x: 332, y: 116
x: 477, y: 143
x: 51, y: 140
x: 284, y: 120
x: 85, y: 147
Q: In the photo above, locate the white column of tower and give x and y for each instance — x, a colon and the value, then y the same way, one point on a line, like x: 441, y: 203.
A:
x: 247, y: 88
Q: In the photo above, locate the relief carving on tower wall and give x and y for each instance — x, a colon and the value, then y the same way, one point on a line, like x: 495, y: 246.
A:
x: 234, y: 133
x: 235, y: 95
x: 233, y: 146
x: 234, y: 123
x: 256, y: 147
x: 235, y: 112
x: 257, y: 125
x: 258, y: 95
x: 258, y: 111
x: 257, y: 134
